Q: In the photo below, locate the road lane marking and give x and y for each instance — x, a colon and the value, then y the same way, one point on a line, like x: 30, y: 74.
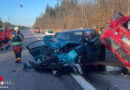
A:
x: 82, y: 82
x: 32, y: 36
x: 35, y: 35
x: 80, y: 79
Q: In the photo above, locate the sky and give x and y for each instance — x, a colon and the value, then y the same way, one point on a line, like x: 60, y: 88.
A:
x: 26, y: 16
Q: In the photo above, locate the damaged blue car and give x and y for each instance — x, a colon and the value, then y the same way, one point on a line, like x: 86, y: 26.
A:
x: 66, y: 50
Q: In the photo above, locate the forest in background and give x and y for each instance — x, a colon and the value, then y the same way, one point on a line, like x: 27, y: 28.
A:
x: 8, y: 24
x: 5, y: 24
x: 72, y: 14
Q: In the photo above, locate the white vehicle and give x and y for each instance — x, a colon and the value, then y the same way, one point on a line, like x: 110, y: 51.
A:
x: 49, y: 32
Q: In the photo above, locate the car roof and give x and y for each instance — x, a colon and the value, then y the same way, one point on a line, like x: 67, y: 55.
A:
x: 76, y: 30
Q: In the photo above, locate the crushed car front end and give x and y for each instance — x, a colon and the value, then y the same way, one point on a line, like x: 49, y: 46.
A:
x: 65, y: 49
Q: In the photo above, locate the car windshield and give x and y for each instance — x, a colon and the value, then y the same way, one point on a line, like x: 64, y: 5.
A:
x: 36, y: 27
x: 72, y: 36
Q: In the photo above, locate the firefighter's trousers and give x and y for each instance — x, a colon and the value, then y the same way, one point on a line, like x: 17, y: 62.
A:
x: 17, y: 52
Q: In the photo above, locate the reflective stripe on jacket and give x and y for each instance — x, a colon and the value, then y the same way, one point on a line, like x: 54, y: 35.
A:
x: 16, y: 43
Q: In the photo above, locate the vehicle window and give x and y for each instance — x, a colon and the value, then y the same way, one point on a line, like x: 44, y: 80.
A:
x: 126, y: 25
x: 36, y: 28
x: 73, y: 36
x: 90, y: 34
x: 78, y: 33
x: 50, y: 31
x: 77, y: 36
x: 87, y: 32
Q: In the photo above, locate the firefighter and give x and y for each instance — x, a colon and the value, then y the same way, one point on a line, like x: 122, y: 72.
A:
x: 6, y: 35
x: 2, y: 39
x: 17, y: 38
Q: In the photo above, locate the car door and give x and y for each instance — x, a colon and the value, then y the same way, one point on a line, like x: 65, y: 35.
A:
x: 36, y: 49
x: 92, y: 49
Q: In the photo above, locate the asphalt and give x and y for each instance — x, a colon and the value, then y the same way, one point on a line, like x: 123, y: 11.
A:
x: 109, y: 80
x: 32, y: 80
